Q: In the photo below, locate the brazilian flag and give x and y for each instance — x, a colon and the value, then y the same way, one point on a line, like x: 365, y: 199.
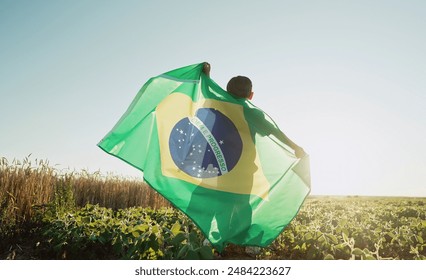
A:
x: 215, y: 157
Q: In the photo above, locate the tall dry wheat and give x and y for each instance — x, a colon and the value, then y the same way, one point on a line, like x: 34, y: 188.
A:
x: 24, y: 185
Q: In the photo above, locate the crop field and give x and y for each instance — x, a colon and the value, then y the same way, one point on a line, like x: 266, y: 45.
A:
x: 45, y: 214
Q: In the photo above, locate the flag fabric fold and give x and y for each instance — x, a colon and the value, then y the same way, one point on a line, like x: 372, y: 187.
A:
x: 215, y: 157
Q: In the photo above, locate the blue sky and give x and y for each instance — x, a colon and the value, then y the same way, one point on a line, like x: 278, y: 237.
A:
x: 343, y: 79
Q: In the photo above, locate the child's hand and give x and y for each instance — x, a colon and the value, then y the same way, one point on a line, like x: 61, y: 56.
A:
x: 206, y: 69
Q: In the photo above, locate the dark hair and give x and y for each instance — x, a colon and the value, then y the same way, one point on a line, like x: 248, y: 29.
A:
x: 239, y: 86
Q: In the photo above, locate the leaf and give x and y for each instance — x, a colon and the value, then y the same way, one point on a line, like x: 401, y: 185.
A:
x: 357, y: 252
x: 155, y: 229
x: 340, y: 246
x: 142, y: 227
x: 92, y: 237
x: 308, y: 236
x: 182, y: 252
x: 153, y: 244
x: 193, y: 238
x: 206, y: 253
x: 391, y: 235
x: 343, y: 222
x: 369, y: 257
x: 345, y: 237
x: 178, y: 239
x: 329, y: 257
x: 130, y: 252
x: 176, y: 228
x: 192, y: 255
x: 333, y: 238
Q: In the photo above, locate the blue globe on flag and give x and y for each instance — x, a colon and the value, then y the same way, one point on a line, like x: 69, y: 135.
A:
x: 206, y: 145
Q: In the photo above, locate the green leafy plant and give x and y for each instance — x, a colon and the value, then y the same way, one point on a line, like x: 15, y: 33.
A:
x: 95, y: 232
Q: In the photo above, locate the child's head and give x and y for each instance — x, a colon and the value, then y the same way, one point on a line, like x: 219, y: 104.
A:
x: 240, y: 86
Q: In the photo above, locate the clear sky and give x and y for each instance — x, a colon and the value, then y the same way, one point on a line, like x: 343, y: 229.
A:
x: 343, y: 79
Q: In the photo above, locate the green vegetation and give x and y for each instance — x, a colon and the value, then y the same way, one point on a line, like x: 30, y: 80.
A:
x: 94, y: 232
x: 48, y: 215
x: 354, y: 228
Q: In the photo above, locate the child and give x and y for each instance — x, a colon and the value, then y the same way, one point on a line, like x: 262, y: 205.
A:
x: 241, y: 87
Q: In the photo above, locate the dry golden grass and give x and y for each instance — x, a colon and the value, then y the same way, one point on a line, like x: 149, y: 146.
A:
x: 24, y: 185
